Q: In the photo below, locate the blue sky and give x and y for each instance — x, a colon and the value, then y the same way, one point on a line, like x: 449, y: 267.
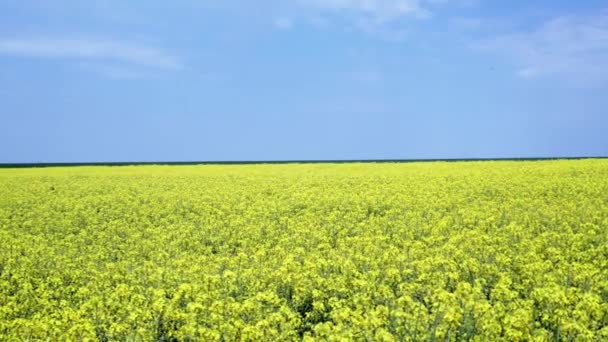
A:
x: 84, y: 81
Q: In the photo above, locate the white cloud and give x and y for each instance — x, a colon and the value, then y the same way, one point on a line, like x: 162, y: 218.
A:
x: 387, y: 19
x: 575, y: 47
x: 379, y: 11
x: 90, y: 50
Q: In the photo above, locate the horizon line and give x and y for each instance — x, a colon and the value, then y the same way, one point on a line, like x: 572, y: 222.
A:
x: 285, y: 161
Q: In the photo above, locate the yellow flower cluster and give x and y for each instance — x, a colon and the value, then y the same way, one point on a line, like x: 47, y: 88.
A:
x: 481, y: 251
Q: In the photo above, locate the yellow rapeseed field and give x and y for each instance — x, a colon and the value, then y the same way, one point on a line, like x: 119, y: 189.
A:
x: 482, y: 251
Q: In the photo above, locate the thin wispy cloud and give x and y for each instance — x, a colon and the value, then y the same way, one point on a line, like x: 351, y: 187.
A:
x: 96, y: 50
x: 575, y: 47
x: 387, y: 19
x: 379, y: 11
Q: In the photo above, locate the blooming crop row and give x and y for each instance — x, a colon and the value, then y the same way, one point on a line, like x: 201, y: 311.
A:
x: 483, y: 251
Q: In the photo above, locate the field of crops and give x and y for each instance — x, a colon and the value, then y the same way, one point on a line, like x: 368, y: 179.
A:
x: 483, y: 251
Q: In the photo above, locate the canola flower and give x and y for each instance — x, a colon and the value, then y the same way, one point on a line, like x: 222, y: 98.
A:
x: 480, y: 251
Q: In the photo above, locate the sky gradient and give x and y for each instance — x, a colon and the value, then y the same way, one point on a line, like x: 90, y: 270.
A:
x: 302, y: 79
